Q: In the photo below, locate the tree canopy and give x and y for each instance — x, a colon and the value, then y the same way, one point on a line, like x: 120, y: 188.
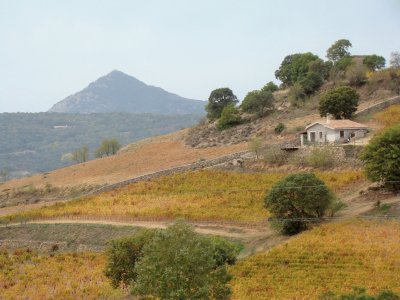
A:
x: 395, y: 59
x: 382, y: 157
x: 108, y: 147
x: 217, y: 100
x: 180, y: 264
x: 340, y: 102
x: 339, y: 50
x: 374, y: 62
x: 258, y: 102
x: 295, y: 199
x: 295, y: 67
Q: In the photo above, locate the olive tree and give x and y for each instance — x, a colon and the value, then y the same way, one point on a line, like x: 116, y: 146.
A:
x: 218, y: 100
x: 340, y: 102
x: 296, y: 199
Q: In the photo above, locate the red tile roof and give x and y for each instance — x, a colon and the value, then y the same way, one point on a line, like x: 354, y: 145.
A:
x: 340, y: 124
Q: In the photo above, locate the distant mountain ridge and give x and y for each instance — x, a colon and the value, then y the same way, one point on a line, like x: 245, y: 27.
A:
x: 119, y: 92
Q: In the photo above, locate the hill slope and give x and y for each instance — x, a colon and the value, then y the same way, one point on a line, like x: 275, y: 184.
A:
x: 119, y: 92
x: 36, y: 141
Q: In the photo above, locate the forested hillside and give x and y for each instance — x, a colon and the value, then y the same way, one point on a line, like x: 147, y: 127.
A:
x: 35, y: 142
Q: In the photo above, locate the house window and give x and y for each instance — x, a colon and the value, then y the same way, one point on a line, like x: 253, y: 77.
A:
x: 320, y: 135
x: 342, y: 133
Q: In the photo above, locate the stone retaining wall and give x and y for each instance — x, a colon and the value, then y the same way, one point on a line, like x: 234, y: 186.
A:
x: 378, y: 106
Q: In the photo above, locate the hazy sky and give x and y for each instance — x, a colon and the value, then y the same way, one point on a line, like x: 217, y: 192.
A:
x: 51, y: 49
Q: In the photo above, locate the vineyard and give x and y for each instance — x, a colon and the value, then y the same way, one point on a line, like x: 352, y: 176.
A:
x: 333, y: 257
x: 202, y: 195
x: 28, y: 275
x: 389, y: 117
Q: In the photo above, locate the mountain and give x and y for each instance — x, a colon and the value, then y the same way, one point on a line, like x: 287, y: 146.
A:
x: 119, y: 92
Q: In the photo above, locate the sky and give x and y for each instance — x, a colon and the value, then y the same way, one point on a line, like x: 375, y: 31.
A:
x: 52, y: 49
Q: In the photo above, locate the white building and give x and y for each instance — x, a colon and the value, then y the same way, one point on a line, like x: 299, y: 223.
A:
x: 332, y: 131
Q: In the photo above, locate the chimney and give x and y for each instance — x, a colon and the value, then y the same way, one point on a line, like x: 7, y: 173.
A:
x: 328, y: 118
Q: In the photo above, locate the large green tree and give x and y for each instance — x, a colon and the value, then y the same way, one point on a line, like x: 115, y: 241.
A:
x: 382, y: 157
x: 339, y: 50
x: 180, y: 264
x: 217, y: 100
x: 295, y: 67
x: 340, y: 102
x: 295, y: 200
x: 374, y: 62
x: 258, y: 102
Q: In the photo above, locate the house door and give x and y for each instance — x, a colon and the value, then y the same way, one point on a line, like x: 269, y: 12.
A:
x: 312, y: 137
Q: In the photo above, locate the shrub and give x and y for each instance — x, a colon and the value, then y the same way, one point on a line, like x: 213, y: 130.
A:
x: 321, y: 157
x: 356, y: 75
x: 180, y: 264
x: 255, y: 145
x: 295, y: 199
x: 258, y: 102
x: 123, y: 254
x: 279, y: 128
x: 230, y: 117
x: 382, y: 157
x: 296, y: 94
x: 275, y: 156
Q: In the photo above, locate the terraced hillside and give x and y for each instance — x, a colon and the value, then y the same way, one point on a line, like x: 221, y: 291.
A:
x: 333, y: 257
x: 201, y: 195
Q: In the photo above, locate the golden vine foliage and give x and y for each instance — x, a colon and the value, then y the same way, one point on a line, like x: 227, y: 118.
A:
x: 29, y: 275
x: 201, y: 195
x: 333, y: 257
x: 390, y: 116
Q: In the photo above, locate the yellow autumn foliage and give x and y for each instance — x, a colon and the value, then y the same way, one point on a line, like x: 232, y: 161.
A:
x: 332, y: 257
x: 200, y: 195
x: 29, y: 275
x: 389, y: 117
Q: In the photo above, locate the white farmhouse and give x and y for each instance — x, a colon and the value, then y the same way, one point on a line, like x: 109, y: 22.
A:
x: 332, y: 131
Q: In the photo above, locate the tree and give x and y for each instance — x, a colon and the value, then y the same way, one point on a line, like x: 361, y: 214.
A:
x: 218, y: 100
x: 79, y: 155
x: 255, y: 145
x: 295, y: 199
x: 311, y: 83
x: 338, y: 50
x: 108, y: 147
x: 230, y: 117
x: 258, y: 102
x: 270, y: 86
x: 123, y: 254
x: 340, y: 102
x: 180, y: 264
x: 374, y: 62
x: 295, y: 67
x: 382, y: 157
x: 395, y: 59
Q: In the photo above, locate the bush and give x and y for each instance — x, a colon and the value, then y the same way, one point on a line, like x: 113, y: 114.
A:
x: 123, y: 254
x: 230, y: 117
x: 296, y: 94
x: 258, y: 102
x: 295, y: 199
x: 180, y: 264
x: 255, y: 145
x: 321, y: 157
x: 275, y: 156
x: 279, y: 128
x: 382, y: 157
x: 356, y: 75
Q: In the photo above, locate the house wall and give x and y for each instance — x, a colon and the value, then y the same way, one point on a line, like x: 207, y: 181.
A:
x: 328, y: 135
x: 347, y: 134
